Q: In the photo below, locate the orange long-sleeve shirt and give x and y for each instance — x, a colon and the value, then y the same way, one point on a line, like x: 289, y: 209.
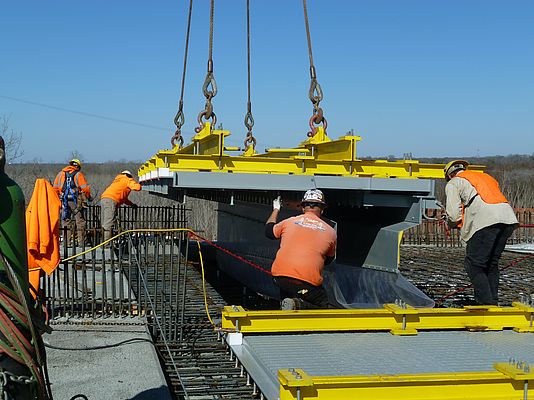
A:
x: 120, y: 188
x: 79, y: 180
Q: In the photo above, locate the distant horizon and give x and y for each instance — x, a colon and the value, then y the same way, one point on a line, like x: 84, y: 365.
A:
x: 361, y: 157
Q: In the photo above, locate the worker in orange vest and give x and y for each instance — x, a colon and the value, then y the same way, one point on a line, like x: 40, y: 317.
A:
x: 477, y: 207
x: 74, y: 192
x: 113, y: 197
x: 307, y: 243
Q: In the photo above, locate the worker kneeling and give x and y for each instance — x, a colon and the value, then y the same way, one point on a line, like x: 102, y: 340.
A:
x: 307, y: 244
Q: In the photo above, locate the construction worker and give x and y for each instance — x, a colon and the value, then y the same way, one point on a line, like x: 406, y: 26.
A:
x: 113, y: 197
x: 477, y: 207
x: 74, y: 192
x: 307, y: 243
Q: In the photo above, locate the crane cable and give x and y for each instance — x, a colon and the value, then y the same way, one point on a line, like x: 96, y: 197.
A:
x: 179, y: 119
x: 315, y: 92
x: 249, y: 120
x: 209, y: 87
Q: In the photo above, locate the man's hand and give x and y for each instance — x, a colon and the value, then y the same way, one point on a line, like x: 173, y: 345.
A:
x: 277, y: 203
x: 134, y: 206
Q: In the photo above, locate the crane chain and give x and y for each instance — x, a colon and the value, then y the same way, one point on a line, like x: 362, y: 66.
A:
x: 209, y: 87
x: 315, y: 92
x: 249, y: 119
x: 179, y: 119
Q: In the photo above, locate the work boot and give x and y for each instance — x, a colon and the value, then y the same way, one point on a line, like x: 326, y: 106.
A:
x: 291, y: 304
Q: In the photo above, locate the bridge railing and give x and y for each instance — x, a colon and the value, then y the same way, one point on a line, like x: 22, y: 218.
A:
x: 431, y: 232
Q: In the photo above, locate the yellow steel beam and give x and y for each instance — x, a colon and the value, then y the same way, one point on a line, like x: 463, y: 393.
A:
x: 318, y: 155
x: 507, y: 382
x: 392, y: 318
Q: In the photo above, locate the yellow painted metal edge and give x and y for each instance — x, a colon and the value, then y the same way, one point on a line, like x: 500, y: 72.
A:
x: 390, y: 318
x: 507, y: 382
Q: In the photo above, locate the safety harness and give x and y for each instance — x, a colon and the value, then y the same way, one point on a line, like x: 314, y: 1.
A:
x: 69, y: 192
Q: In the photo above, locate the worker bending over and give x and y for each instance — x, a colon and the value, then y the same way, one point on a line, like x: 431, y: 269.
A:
x: 307, y: 243
x: 476, y: 206
x: 74, y: 192
x: 112, y: 198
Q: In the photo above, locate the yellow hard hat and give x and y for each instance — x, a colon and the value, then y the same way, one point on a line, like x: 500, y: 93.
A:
x: 453, y: 166
x: 75, y: 161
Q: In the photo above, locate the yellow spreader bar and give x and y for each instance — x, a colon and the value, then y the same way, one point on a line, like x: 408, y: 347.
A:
x: 508, y: 381
x: 393, y: 318
x: 318, y: 155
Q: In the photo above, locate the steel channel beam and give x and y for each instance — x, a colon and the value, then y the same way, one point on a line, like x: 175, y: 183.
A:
x: 392, y: 318
x: 507, y: 382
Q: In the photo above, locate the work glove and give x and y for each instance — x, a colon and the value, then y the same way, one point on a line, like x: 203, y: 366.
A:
x: 134, y: 206
x: 277, y: 203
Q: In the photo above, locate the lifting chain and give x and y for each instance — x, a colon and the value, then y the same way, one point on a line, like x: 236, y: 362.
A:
x: 179, y: 119
x: 315, y: 93
x: 249, y: 119
x: 209, y: 87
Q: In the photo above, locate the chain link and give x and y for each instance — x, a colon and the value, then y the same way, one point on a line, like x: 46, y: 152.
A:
x: 6, y: 376
x: 179, y: 121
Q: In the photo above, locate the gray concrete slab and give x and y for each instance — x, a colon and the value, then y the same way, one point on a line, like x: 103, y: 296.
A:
x: 130, y: 371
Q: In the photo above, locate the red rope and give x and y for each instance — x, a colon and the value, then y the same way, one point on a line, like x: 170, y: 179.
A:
x: 513, y: 263
x: 232, y: 254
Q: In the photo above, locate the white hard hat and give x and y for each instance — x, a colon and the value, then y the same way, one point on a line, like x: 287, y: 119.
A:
x: 126, y: 172
x: 313, y: 196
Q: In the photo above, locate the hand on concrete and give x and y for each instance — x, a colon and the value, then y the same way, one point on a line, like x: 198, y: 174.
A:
x: 277, y: 203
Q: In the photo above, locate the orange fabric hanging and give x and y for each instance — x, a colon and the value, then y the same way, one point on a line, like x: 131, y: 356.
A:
x: 42, y: 231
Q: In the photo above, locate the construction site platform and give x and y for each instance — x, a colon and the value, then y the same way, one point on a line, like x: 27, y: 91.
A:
x: 378, y: 354
x: 126, y: 370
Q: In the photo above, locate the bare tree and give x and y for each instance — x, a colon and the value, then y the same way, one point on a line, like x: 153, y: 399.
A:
x: 12, y: 140
x: 75, y: 154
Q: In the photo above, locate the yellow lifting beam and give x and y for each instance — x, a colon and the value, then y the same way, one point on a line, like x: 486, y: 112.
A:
x: 398, y: 320
x: 318, y: 155
x: 509, y: 381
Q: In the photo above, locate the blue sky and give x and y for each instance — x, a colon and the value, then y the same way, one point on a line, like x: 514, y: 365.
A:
x: 434, y: 78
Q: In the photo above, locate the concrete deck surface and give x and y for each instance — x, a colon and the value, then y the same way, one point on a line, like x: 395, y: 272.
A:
x: 130, y: 371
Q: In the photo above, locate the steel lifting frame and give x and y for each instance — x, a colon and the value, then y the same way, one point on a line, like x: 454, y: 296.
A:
x: 399, y: 320
x: 509, y: 381
x: 318, y: 155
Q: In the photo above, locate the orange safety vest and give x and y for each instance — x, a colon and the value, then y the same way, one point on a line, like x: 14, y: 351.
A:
x: 486, y: 186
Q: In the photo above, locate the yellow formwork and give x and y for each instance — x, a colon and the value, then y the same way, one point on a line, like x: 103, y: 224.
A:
x: 507, y: 382
x: 318, y: 155
x: 397, y: 320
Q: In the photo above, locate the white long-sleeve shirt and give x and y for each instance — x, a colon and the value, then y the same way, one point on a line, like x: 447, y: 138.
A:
x: 478, y: 214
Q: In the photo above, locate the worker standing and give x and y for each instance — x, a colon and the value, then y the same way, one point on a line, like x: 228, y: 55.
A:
x: 113, y: 197
x: 74, y: 192
x: 307, y: 243
x: 477, y: 207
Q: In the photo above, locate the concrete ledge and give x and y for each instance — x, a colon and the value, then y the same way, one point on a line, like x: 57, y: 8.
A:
x: 130, y: 371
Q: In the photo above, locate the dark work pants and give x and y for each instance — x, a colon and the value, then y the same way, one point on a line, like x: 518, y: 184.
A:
x: 312, y: 296
x: 481, y: 262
